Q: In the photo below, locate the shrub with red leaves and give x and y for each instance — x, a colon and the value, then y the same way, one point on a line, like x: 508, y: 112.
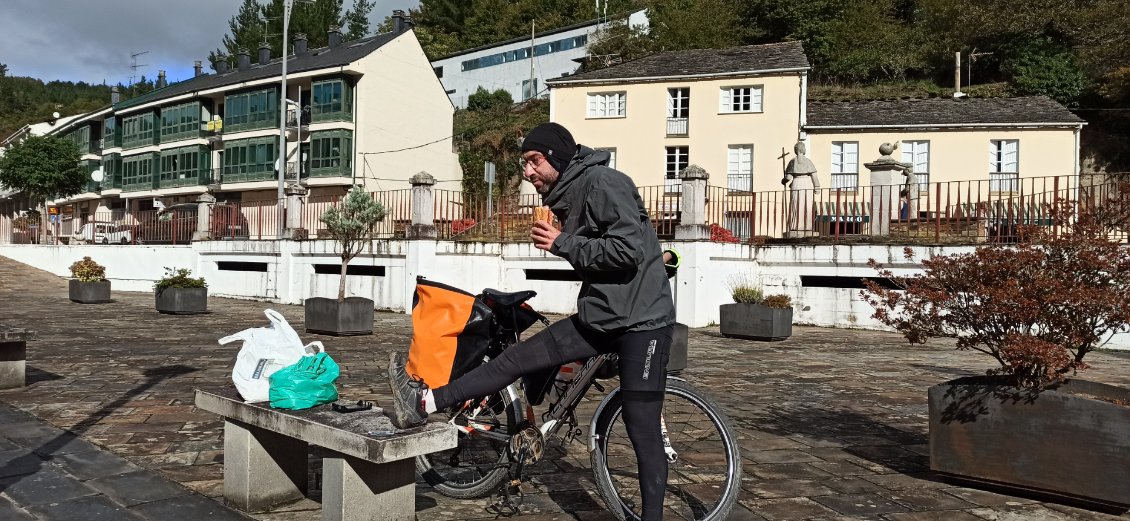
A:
x: 461, y: 225
x: 1037, y: 307
x: 720, y: 234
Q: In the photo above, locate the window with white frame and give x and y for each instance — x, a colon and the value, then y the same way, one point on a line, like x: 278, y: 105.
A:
x: 917, y: 154
x: 678, y: 110
x: 1004, y: 165
x: 740, y: 99
x: 611, y: 156
x: 678, y: 158
x: 607, y: 105
x: 739, y: 168
x: 845, y: 165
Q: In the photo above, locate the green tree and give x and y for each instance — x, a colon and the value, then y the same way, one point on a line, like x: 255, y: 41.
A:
x: 43, y: 167
x: 1040, y: 66
x: 3, y: 70
x: 247, y: 30
x: 357, y: 20
x: 489, y: 130
x: 255, y: 24
x: 351, y: 225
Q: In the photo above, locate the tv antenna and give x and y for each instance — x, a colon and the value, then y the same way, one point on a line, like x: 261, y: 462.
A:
x: 134, y: 65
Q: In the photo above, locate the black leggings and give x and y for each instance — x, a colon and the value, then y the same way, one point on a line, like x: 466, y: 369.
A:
x: 643, y: 378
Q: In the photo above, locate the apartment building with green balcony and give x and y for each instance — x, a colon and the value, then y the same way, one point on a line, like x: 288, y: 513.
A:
x: 369, y: 112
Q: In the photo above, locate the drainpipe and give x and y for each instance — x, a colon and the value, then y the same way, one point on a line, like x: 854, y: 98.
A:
x: 801, y: 134
x: 1075, y: 165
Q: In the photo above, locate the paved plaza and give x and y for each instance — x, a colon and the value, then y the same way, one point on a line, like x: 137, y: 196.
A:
x: 832, y: 421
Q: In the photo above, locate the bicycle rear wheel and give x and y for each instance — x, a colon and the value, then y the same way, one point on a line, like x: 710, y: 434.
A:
x: 704, y: 479
x: 478, y: 465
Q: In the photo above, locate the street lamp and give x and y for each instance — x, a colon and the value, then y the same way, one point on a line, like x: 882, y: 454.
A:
x: 282, y: 119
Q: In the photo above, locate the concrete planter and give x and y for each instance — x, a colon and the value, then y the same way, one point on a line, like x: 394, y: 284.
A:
x: 353, y: 316
x: 678, y: 359
x: 182, y: 301
x: 89, y: 292
x: 755, y: 322
x: 1071, y: 441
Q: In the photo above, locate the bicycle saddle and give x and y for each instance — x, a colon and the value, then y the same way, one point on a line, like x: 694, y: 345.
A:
x: 508, y: 299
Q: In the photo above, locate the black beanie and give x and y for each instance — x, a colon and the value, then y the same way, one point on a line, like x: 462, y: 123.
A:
x: 554, y: 142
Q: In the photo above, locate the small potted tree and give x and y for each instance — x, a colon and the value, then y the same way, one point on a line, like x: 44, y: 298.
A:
x: 89, y: 285
x: 753, y: 315
x: 1036, y: 308
x: 350, y: 224
x: 178, y: 293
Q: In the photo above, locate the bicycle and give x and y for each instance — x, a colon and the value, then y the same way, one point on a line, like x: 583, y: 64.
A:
x: 500, y: 436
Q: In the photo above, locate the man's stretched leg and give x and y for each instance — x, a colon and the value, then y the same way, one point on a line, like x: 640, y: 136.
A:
x: 643, y: 378
x: 560, y: 343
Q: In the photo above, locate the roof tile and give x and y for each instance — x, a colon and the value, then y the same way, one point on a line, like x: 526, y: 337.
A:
x: 939, y: 111
x: 314, y: 59
x: 701, y: 62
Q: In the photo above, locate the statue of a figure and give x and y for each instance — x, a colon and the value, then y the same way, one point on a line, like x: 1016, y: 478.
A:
x: 800, y: 165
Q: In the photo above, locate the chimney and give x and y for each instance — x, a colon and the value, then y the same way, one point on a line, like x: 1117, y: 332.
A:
x: 299, y: 44
x: 398, y: 17
x: 243, y: 59
x: 334, y: 36
x: 221, y: 64
x: 957, y: 76
x: 115, y: 95
x: 161, y: 82
x: 197, y: 69
x: 264, y: 54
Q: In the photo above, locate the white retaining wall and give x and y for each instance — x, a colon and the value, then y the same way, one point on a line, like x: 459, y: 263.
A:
x: 700, y: 287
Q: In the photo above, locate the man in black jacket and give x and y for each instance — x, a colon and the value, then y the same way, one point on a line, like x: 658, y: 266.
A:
x: 624, y: 305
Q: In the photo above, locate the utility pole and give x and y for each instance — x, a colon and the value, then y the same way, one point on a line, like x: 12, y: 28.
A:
x: 533, y: 89
x: 282, y: 123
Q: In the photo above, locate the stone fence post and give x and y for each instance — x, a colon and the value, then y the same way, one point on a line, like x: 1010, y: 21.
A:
x: 889, y: 178
x: 295, y: 200
x: 423, y: 207
x: 204, y: 205
x: 692, y: 222
x: 420, y: 252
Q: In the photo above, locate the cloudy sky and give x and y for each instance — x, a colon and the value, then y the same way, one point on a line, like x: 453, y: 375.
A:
x: 91, y: 40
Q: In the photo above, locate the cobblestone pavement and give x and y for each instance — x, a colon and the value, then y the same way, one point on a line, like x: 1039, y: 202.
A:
x: 832, y: 422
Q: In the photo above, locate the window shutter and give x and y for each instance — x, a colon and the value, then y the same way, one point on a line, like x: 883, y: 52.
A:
x: 851, y: 157
x: 755, y: 102
x: 724, y: 101
x: 994, y: 156
x: 1009, y: 156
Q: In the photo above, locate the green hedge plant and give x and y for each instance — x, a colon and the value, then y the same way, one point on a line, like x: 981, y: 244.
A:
x: 179, y: 278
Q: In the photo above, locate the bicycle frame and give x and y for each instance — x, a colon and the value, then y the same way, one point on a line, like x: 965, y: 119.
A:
x: 573, y: 393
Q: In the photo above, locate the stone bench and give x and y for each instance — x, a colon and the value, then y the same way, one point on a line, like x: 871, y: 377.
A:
x: 365, y: 476
x: 13, y: 356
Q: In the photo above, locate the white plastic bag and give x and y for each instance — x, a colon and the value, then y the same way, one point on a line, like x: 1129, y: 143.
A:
x: 264, y: 351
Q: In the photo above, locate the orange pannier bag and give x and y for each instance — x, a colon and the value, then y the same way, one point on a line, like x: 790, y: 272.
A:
x: 450, y: 333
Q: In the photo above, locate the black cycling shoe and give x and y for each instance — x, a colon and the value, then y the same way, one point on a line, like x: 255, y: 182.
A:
x: 407, y: 395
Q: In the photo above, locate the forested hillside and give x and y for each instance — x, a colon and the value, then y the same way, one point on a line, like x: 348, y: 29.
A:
x: 30, y: 100
x: 1075, y: 51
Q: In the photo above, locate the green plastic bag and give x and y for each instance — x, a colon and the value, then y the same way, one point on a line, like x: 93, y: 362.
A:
x: 307, y: 383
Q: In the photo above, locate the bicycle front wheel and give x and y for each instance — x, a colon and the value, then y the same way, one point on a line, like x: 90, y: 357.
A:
x: 479, y: 464
x: 704, y: 463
